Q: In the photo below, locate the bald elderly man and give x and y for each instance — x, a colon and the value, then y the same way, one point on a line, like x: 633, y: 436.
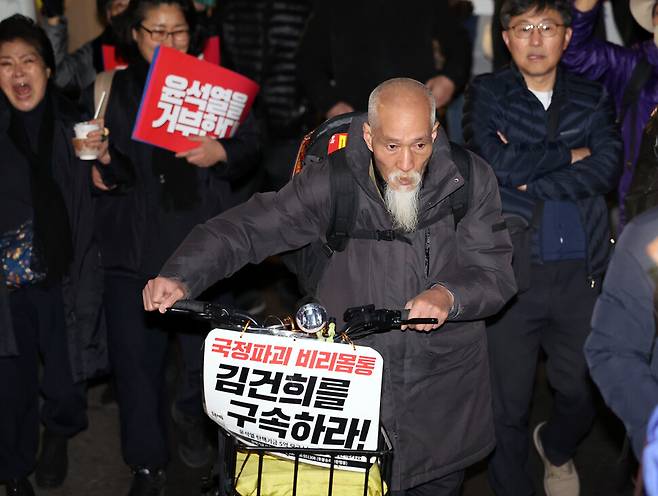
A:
x: 436, y: 404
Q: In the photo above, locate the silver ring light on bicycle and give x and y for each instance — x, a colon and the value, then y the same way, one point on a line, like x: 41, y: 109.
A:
x: 311, y: 318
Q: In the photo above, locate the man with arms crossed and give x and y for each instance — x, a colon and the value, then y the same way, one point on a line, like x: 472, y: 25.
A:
x: 554, y: 146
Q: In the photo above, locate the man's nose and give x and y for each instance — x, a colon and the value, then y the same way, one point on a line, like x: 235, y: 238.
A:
x: 168, y: 41
x: 406, y: 162
x: 535, y: 37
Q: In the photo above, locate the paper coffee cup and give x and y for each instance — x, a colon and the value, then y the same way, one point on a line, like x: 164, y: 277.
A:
x: 82, y: 129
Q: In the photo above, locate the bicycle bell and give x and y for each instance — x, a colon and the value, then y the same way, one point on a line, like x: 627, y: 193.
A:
x: 311, y: 317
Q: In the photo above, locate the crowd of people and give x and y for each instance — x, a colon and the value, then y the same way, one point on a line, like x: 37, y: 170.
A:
x: 95, y: 251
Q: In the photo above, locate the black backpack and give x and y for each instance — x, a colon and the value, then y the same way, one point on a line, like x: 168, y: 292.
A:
x: 328, y: 141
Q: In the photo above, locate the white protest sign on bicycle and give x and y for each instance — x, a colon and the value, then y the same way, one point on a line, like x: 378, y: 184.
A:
x: 282, y: 392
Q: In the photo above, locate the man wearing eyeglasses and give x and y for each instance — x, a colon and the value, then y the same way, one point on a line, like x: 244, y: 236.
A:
x: 554, y: 146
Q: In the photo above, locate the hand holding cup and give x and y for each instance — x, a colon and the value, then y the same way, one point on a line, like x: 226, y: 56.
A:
x: 91, y: 141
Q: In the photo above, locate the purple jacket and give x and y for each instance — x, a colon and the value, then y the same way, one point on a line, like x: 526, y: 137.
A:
x: 612, y: 65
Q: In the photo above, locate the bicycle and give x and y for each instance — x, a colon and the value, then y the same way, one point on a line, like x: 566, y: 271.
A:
x: 249, y: 466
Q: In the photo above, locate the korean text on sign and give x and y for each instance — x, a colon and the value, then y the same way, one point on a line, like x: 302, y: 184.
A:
x: 335, y: 361
x: 196, y: 109
x: 277, y: 391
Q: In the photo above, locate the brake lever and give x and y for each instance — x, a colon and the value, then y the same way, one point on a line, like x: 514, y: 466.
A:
x: 403, y: 319
x: 370, y: 321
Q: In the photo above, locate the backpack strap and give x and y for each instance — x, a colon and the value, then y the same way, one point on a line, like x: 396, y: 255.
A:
x: 103, y: 84
x: 638, y: 79
x: 381, y: 235
x: 344, y: 209
x: 459, y: 200
x: 343, y: 203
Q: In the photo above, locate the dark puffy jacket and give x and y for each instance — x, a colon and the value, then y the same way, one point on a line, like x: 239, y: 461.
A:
x: 260, y: 39
x: 436, y: 400
x: 501, y: 102
x: 621, y: 350
x: 82, y: 286
x: 613, y: 65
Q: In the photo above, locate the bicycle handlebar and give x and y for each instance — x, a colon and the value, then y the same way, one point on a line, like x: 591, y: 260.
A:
x: 213, y: 312
x: 360, y: 321
x: 192, y: 306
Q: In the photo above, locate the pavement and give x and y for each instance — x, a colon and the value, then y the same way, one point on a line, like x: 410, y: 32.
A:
x: 96, y: 467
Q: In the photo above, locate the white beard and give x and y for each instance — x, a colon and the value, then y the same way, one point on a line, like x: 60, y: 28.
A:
x: 402, y: 203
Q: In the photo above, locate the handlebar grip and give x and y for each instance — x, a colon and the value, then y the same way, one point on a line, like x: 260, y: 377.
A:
x: 404, y: 319
x: 429, y: 320
x: 193, y: 306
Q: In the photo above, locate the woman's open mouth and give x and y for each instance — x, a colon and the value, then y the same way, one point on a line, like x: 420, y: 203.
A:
x: 22, y: 90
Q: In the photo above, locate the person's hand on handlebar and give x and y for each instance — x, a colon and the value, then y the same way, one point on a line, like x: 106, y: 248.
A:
x: 432, y: 303
x: 161, y: 293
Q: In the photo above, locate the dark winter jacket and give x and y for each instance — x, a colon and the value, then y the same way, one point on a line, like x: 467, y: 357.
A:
x: 620, y: 350
x: 82, y: 284
x: 350, y: 47
x: 136, y: 232
x: 501, y: 102
x: 260, y: 39
x: 613, y: 66
x: 436, y: 403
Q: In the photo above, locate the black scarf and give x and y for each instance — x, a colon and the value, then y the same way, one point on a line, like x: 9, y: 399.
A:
x: 52, y: 231
x: 177, y: 177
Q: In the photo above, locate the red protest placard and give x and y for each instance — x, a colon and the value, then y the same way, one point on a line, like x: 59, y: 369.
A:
x: 211, y: 50
x: 185, y: 96
x: 111, y: 60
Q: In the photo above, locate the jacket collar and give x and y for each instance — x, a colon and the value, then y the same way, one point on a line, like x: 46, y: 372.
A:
x: 441, y: 175
x: 560, y: 88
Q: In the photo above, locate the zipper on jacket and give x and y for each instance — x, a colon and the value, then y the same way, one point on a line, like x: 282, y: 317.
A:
x: 427, y: 253
x: 591, y: 279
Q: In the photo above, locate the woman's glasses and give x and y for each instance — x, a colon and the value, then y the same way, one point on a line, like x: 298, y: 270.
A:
x: 159, y: 35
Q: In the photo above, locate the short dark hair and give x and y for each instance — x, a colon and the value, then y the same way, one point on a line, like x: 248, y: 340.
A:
x: 513, y: 8
x: 134, y: 15
x: 19, y: 27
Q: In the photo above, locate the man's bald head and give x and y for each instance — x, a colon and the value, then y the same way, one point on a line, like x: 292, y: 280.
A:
x: 401, y: 93
x: 400, y: 133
